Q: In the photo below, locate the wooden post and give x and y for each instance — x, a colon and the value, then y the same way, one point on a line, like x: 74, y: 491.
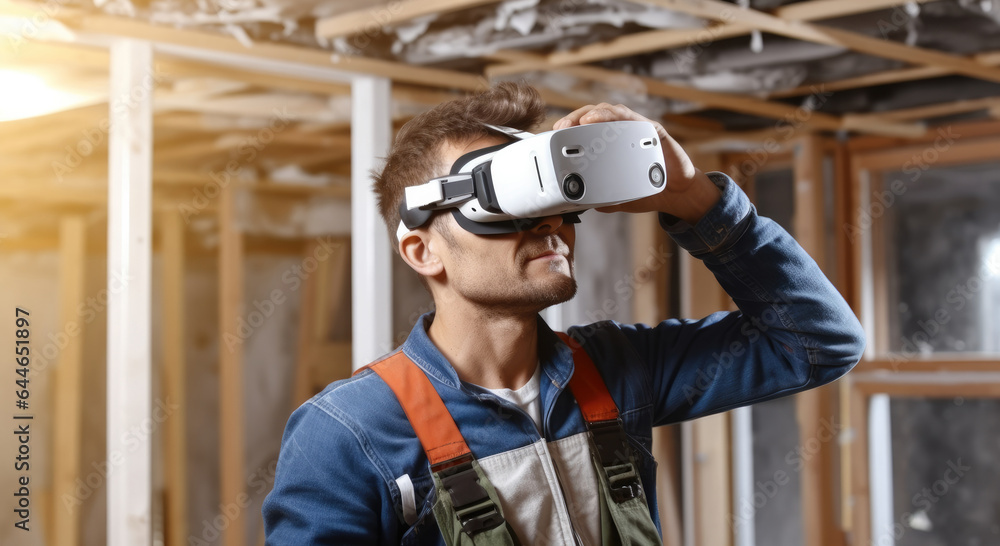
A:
x: 172, y: 230
x: 231, y: 409
x: 650, y: 269
x: 709, y: 450
x: 815, y: 407
x: 861, y: 513
x: 371, y: 280
x: 129, y: 369
x: 67, y: 429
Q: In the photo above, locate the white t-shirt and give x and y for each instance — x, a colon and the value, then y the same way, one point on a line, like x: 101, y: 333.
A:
x: 526, y: 397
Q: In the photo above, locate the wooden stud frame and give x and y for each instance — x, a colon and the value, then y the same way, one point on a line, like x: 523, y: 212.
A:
x: 804, y: 156
x: 864, y: 385
x: 816, y: 406
x: 129, y: 301
x: 650, y: 307
x: 706, y: 455
x: 973, y: 376
x: 67, y: 435
x: 174, y: 375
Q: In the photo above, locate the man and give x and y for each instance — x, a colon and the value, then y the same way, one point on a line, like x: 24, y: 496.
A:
x: 352, y: 469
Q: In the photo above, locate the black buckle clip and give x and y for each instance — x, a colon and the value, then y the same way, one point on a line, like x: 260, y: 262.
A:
x: 612, y: 444
x: 473, y: 505
x: 615, y: 456
x: 627, y: 491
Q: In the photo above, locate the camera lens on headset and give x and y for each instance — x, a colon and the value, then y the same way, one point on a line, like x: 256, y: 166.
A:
x: 573, y: 186
x: 656, y: 176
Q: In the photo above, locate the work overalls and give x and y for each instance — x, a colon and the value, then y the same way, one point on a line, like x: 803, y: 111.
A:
x: 467, y: 508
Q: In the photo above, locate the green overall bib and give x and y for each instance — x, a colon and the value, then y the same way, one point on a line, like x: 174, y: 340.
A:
x: 467, y: 508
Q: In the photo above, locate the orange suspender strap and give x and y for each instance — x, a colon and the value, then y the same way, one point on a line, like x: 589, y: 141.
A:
x: 452, y: 463
x: 438, y: 434
x: 607, y: 434
x: 434, y: 425
x: 588, y: 386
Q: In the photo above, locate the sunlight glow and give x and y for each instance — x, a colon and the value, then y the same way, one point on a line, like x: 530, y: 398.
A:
x: 25, y: 95
x: 992, y: 259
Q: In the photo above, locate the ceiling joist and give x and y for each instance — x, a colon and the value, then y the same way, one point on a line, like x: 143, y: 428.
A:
x: 717, y: 10
x: 373, y: 21
x: 991, y: 58
x: 659, y: 40
x: 226, y: 47
x: 784, y: 113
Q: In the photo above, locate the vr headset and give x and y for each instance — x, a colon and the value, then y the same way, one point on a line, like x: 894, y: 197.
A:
x: 512, y: 186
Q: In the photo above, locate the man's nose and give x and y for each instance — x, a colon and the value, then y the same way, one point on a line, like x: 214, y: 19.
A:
x: 547, y: 225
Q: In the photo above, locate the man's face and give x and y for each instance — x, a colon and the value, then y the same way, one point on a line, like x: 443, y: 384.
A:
x: 521, y: 272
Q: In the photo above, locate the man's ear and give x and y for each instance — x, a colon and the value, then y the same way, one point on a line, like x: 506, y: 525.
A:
x: 417, y: 248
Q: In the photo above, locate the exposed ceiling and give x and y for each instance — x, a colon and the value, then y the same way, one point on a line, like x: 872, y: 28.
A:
x: 699, y: 44
x: 663, y: 57
x: 707, y: 68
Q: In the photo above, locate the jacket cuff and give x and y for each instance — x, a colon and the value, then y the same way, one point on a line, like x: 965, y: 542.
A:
x: 718, y: 226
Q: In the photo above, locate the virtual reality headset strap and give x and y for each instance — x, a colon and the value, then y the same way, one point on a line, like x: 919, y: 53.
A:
x: 469, y: 177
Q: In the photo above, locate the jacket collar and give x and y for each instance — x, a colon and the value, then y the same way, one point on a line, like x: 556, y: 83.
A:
x: 556, y: 358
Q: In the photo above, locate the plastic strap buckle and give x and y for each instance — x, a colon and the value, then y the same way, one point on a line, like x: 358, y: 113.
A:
x: 615, y: 456
x: 473, y: 505
x: 439, y: 190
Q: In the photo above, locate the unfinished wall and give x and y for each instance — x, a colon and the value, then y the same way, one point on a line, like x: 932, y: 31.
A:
x: 28, y: 278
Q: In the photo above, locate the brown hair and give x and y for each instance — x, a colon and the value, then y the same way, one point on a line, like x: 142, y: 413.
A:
x: 414, y: 157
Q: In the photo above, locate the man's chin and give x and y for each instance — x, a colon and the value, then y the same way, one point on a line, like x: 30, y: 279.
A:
x: 558, y: 291
x: 529, y: 297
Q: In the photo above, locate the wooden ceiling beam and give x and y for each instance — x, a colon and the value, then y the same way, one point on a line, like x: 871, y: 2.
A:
x: 938, y: 110
x: 189, y: 151
x: 726, y: 101
x: 223, y: 44
x: 659, y: 40
x: 33, y: 52
x: 784, y: 113
x: 816, y: 10
x: 372, y: 22
x: 646, y: 42
x: 174, y: 69
x: 279, y: 106
x: 175, y: 179
x: 991, y: 58
x: 718, y: 10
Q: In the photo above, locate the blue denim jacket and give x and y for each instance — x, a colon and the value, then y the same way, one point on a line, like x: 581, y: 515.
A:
x: 343, y: 450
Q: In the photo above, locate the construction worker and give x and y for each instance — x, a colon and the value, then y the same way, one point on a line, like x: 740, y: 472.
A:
x: 485, y: 426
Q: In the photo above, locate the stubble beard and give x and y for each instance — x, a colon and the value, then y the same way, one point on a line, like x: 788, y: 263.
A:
x: 515, y: 293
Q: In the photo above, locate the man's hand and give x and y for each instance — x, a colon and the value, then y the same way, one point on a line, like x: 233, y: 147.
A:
x: 689, y: 193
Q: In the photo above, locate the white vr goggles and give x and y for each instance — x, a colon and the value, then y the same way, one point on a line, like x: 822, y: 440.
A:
x: 512, y: 186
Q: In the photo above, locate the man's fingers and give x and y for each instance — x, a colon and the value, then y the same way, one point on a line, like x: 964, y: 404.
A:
x: 573, y: 118
x: 595, y: 113
x: 601, y: 114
